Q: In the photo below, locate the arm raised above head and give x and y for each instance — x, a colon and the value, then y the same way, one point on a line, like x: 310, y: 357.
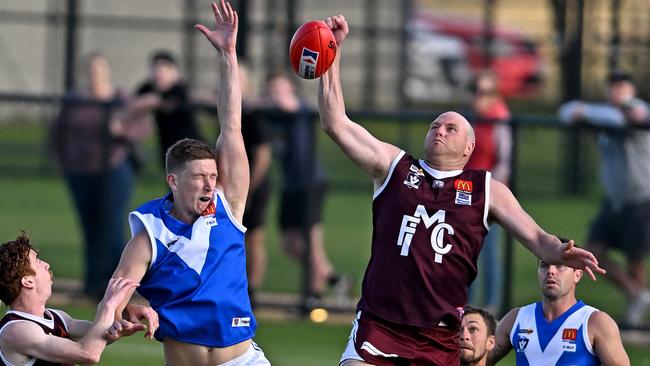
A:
x: 234, y: 175
x: 370, y: 154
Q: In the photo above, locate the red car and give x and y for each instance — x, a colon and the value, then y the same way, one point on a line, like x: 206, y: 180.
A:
x: 445, y: 51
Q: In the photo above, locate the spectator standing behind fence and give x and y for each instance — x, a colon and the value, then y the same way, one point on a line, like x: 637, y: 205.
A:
x: 167, y: 96
x: 92, y: 143
x: 304, y: 182
x: 623, y: 222
x: 492, y: 153
x: 258, y: 149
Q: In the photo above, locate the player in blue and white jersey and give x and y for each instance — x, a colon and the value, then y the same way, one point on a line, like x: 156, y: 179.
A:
x: 559, y: 330
x: 187, y: 249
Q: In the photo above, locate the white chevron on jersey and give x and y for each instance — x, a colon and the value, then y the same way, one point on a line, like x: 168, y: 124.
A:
x: 527, y: 341
x: 192, y: 251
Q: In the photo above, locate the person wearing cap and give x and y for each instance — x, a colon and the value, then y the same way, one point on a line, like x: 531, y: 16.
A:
x: 623, y: 222
x: 167, y: 96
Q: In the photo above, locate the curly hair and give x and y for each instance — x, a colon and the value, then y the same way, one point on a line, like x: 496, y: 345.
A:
x: 14, y: 265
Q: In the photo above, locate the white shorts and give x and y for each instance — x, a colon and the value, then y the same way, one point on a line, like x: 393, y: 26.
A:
x: 350, y: 352
x: 253, y: 357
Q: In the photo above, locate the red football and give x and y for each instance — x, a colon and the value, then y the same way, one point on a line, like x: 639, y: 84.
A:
x: 312, y: 49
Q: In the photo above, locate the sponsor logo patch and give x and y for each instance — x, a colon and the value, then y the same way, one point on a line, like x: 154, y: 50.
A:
x: 569, y: 334
x: 525, y: 331
x: 463, y: 185
x: 463, y: 198
x: 210, y: 210
x: 308, y: 62
x: 437, y: 183
x: 241, y: 322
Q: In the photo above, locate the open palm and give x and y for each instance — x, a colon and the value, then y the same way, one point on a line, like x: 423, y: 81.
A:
x: 224, y: 36
x: 580, y: 259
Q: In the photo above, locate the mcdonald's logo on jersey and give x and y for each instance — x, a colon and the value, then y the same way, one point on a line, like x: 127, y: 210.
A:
x: 463, y: 185
x: 210, y: 210
x: 569, y: 334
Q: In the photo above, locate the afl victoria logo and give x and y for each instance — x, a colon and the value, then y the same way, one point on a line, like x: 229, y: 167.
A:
x: 308, y: 62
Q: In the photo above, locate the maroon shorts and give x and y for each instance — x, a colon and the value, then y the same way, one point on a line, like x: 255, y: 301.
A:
x: 382, y: 343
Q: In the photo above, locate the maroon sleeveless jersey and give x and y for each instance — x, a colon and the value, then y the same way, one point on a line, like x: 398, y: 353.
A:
x: 52, y: 324
x: 428, y: 230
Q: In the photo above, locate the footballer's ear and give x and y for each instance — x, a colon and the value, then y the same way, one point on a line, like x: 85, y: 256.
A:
x: 172, y: 181
x: 577, y: 275
x: 491, y: 343
x: 27, y: 281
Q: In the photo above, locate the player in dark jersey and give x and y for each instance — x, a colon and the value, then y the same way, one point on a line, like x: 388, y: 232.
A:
x: 429, y: 221
x: 31, y: 334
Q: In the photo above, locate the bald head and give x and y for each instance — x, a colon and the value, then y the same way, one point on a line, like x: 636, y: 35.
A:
x: 449, y: 142
x: 461, y: 121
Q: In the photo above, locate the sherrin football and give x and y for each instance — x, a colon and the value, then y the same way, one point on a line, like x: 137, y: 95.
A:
x: 312, y: 49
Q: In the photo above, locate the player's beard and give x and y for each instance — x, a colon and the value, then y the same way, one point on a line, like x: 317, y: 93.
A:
x: 472, y: 358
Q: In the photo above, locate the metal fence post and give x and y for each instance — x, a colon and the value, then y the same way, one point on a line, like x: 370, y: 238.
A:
x: 72, y: 15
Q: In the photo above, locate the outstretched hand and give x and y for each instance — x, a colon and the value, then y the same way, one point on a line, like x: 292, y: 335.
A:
x: 116, y: 292
x: 123, y: 328
x: 339, y: 27
x: 139, y: 313
x: 579, y: 258
x: 224, y: 36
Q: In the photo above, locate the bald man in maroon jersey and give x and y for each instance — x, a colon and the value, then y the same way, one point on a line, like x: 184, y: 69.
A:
x: 429, y: 220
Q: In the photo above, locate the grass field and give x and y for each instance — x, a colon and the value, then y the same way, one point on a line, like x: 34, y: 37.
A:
x: 40, y: 204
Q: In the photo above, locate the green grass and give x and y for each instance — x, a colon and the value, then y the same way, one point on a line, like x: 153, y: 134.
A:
x: 40, y: 204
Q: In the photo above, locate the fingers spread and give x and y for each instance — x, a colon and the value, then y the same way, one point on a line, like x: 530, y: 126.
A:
x: 217, y: 12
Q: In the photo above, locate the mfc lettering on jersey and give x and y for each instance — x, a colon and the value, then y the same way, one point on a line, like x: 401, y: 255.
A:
x: 425, y: 243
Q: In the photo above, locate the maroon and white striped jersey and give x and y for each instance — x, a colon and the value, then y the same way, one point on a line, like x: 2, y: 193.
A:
x: 428, y: 230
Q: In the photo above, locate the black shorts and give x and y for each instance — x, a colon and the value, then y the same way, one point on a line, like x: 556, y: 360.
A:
x: 255, y: 213
x: 627, y: 230
x: 302, y: 208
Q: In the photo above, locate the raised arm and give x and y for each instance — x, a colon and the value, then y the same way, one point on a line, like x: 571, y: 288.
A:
x: 234, y: 176
x: 502, y: 335
x: 505, y: 209
x: 26, y: 339
x: 370, y: 154
x: 606, y: 340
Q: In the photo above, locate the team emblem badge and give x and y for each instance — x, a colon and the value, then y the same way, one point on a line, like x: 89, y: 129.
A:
x: 414, y: 177
x: 522, y: 343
